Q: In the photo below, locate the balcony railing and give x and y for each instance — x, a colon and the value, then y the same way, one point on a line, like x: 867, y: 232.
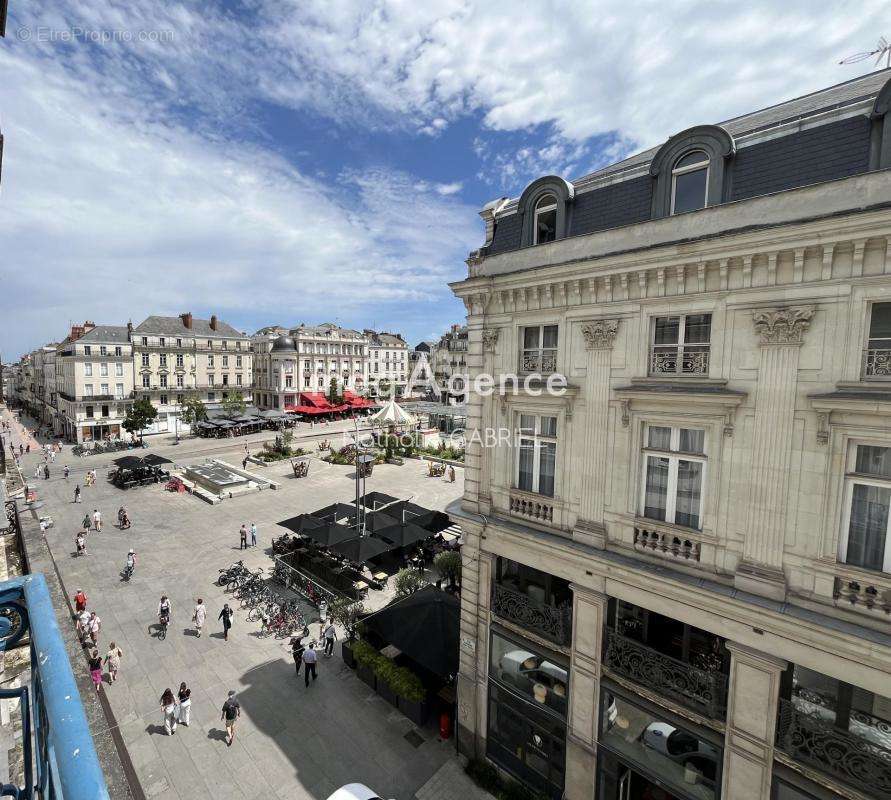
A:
x: 543, y: 360
x: 686, y: 359
x: 874, y: 596
x: 667, y: 543
x: 877, y: 364
x: 551, y: 622
x: 59, y: 758
x: 701, y: 690
x: 846, y: 755
x: 532, y: 507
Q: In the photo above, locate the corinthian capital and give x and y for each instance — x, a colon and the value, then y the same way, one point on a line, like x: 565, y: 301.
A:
x: 783, y: 325
x: 490, y: 339
x: 600, y: 334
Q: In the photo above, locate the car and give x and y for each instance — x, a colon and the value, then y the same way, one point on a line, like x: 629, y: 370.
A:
x: 684, y: 748
x: 526, y: 670
x: 354, y: 791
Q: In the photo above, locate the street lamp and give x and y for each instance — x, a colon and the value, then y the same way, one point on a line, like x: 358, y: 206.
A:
x: 362, y: 461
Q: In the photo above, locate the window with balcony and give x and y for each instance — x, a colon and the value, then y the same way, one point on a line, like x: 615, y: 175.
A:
x: 673, y: 471
x: 119, y: 391
x: 536, y: 454
x: 163, y: 380
x: 145, y: 359
x: 532, y: 599
x: 877, y: 356
x: 865, y: 540
x: 681, y: 345
x: 146, y: 382
x: 180, y: 381
x: 103, y: 389
x: 539, y: 349
x: 211, y: 379
x: 225, y: 380
x: 88, y: 390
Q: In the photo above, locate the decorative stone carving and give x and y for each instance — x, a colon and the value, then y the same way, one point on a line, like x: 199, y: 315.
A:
x: 626, y: 413
x: 490, y: 339
x: 600, y: 334
x: 823, y: 428
x: 783, y: 325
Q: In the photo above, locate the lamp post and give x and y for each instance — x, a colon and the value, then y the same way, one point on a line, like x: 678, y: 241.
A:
x: 362, y: 461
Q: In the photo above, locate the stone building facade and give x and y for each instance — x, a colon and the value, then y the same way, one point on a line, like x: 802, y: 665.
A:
x: 388, y: 363
x: 677, y: 572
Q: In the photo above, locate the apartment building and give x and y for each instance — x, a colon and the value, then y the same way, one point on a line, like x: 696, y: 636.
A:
x: 388, y: 363
x: 305, y: 358
x: 450, y: 364
x: 93, y: 382
x: 677, y: 575
x: 179, y: 356
x: 420, y: 368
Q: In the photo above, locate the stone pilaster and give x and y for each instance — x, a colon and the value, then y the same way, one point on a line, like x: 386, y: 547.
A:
x: 782, y: 332
x: 600, y: 336
x: 488, y: 418
x: 588, y: 621
x: 474, y: 424
x: 751, y: 723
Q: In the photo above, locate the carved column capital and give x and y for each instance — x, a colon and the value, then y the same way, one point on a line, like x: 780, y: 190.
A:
x: 490, y: 339
x: 783, y: 325
x: 600, y: 334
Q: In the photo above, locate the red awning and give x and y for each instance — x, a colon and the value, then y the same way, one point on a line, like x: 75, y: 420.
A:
x: 355, y: 401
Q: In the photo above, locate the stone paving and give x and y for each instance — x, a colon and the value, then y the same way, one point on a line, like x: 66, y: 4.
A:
x: 292, y: 742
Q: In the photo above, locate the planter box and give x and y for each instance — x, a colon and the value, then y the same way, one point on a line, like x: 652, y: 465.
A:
x: 416, y: 712
x: 346, y: 651
x: 366, y: 675
x: 387, y: 694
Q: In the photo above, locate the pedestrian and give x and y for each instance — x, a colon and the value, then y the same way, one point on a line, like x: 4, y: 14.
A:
x: 95, y: 668
x: 297, y: 649
x: 451, y: 474
x: 253, y: 534
x: 92, y: 477
x: 53, y: 456
x: 244, y: 462
x: 37, y: 472
x: 86, y: 524
x: 65, y: 472
x: 28, y: 448
x: 95, y: 625
x: 22, y: 450
x: 80, y: 544
x: 231, y: 712
x: 243, y: 533
x: 77, y: 493
x: 80, y: 601
x: 226, y: 616
x: 199, y: 616
x: 185, y: 704
x: 330, y: 636
x: 83, y: 626
x: 168, y: 707
x: 309, y: 663
x: 113, y: 661
x: 46, y: 472
x: 97, y: 519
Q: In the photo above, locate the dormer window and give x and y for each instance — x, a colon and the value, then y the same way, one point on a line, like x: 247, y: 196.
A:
x: 689, y: 182
x: 546, y: 219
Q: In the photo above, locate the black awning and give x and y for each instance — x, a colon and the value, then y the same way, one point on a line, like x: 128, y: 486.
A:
x: 402, y: 534
x: 128, y: 462
x: 360, y: 550
x: 153, y: 460
x: 374, y: 500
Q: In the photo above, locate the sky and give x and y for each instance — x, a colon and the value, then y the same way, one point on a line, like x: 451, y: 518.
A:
x: 288, y: 161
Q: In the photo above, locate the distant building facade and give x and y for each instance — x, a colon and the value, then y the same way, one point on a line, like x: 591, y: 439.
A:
x: 387, y: 363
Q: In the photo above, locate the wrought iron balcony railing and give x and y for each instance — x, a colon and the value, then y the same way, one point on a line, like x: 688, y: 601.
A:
x: 877, y: 364
x: 551, y: 622
x: 851, y: 757
x: 59, y: 758
x: 685, y: 359
x: 704, y: 691
x: 543, y: 360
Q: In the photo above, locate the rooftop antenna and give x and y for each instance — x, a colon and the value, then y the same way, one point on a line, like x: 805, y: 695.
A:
x: 883, y: 50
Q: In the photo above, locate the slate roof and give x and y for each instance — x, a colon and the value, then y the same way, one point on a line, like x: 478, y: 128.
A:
x: 114, y: 334
x: 173, y: 326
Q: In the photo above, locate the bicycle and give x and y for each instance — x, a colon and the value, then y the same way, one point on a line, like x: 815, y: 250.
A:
x: 163, y: 622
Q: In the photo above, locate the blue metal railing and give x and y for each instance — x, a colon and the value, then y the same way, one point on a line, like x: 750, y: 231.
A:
x: 61, y: 762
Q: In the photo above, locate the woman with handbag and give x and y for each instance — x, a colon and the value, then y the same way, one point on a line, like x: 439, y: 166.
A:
x: 168, y: 707
x: 185, y: 704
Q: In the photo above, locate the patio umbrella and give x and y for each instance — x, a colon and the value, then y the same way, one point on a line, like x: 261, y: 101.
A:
x: 153, y: 460
x: 374, y: 500
x: 375, y: 520
x: 402, y: 534
x: 325, y: 533
x: 337, y: 512
x: 433, y: 521
x: 359, y: 550
x: 128, y: 462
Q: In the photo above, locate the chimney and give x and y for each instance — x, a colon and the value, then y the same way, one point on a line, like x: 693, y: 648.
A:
x: 213, y: 321
x: 129, y: 329
x: 89, y: 325
x: 187, y: 319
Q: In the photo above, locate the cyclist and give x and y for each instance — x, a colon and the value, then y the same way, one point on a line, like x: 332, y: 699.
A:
x: 164, y: 612
x: 131, y: 564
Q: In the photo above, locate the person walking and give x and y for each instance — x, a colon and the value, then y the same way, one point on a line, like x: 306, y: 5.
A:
x: 94, y: 625
x: 200, y: 616
x: 253, y: 534
x: 243, y: 534
x: 83, y: 626
x: 113, y: 661
x: 80, y: 601
x: 77, y: 493
x: 46, y: 472
x: 230, y: 714
x: 66, y: 471
x: 86, y: 524
x: 185, y: 704
x: 244, y: 462
x: 226, y: 615
x: 297, y: 650
x: 330, y: 636
x: 95, y: 668
x: 168, y: 707
x: 97, y: 519
x: 309, y: 663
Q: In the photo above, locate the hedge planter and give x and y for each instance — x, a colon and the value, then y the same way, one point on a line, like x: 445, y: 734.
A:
x: 387, y: 694
x: 417, y: 712
x: 346, y: 650
x: 366, y: 674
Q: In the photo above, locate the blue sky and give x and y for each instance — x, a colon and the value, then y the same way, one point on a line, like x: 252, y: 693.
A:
x: 304, y: 161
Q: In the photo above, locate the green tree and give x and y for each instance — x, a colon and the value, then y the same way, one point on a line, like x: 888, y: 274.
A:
x: 139, y: 416
x: 448, y: 565
x: 334, y: 395
x: 193, y: 410
x: 347, y: 613
x: 408, y: 581
x: 233, y: 405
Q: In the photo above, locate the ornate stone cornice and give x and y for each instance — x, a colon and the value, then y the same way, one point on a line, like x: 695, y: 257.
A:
x: 490, y: 339
x: 600, y: 334
x: 783, y: 325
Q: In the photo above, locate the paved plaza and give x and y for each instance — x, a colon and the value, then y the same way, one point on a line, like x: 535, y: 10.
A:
x: 291, y: 742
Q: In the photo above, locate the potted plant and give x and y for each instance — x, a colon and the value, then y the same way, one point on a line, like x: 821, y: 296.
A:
x: 412, y: 696
x: 366, y: 657
x: 387, y: 676
x: 347, y: 613
x: 448, y: 565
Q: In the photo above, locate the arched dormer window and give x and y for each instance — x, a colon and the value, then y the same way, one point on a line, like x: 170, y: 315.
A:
x: 544, y: 207
x: 880, y: 135
x: 689, y: 170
